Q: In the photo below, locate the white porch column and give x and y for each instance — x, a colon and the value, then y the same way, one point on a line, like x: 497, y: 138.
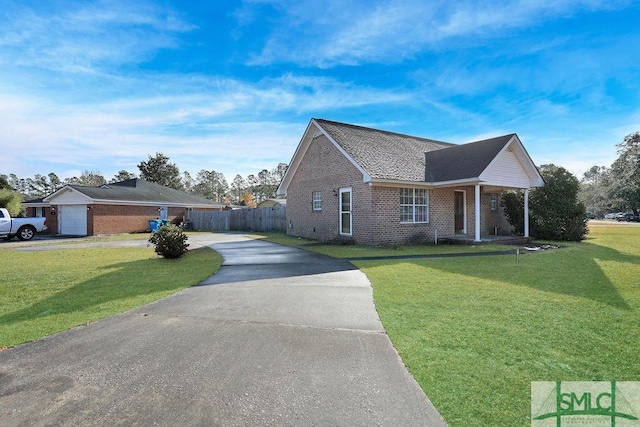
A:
x: 526, y: 212
x: 477, y: 238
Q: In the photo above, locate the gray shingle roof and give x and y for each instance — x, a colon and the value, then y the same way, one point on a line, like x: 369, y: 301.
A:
x: 384, y: 155
x: 139, y: 190
x: 463, y: 161
x: 394, y: 156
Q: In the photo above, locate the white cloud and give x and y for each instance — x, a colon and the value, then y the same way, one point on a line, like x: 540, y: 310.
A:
x: 331, y: 33
x: 201, y: 122
x: 86, y: 37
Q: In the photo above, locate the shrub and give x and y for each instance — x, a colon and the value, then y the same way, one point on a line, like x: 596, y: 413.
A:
x: 555, y: 212
x: 12, y: 201
x: 170, y: 241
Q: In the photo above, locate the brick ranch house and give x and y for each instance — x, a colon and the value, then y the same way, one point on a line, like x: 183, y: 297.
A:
x: 121, y: 207
x: 373, y: 187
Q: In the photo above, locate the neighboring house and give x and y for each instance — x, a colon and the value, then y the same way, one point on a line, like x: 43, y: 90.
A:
x: 269, y: 203
x: 36, y: 208
x: 121, y: 207
x: 374, y: 187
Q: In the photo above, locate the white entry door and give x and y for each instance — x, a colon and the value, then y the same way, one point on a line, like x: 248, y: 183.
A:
x: 72, y: 220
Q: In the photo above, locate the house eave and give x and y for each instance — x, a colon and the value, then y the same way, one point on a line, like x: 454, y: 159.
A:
x: 153, y: 203
x: 378, y: 182
x: 66, y: 188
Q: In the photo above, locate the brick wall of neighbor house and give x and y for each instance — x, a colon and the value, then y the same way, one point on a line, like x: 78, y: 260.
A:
x: 52, y: 219
x: 33, y: 212
x: 325, y: 169
x: 112, y: 219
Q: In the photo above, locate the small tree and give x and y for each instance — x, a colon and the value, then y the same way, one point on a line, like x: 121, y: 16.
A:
x: 170, y: 241
x: 122, y: 175
x: 12, y: 201
x: 248, y: 199
x: 554, y: 210
x: 158, y: 169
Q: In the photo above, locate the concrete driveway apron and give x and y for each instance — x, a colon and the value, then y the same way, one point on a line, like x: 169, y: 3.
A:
x: 278, y: 337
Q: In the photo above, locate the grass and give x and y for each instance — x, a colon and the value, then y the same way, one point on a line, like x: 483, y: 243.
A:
x: 44, y: 292
x: 356, y: 251
x: 475, y: 332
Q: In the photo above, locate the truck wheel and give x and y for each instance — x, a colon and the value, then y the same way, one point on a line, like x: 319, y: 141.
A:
x: 26, y: 232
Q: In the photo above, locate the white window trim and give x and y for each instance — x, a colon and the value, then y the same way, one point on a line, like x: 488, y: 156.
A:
x: 346, y: 190
x: 413, y: 206
x: 316, y: 204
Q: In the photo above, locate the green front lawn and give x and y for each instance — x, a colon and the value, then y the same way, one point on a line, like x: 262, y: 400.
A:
x: 49, y: 291
x: 475, y: 332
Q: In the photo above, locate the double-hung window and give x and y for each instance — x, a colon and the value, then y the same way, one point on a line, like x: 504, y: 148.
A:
x: 494, y: 202
x: 317, y: 201
x: 414, y: 205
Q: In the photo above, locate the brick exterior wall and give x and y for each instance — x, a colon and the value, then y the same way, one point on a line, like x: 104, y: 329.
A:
x: 113, y: 219
x: 376, y: 209
x: 52, y: 220
x: 387, y: 228
x: 326, y: 170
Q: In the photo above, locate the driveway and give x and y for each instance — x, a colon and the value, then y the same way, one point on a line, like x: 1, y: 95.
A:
x: 278, y: 337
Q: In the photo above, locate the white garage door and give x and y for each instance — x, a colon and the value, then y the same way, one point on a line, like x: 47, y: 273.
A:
x: 73, y: 220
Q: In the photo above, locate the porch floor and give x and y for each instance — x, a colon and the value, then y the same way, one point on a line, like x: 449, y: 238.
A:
x: 467, y: 239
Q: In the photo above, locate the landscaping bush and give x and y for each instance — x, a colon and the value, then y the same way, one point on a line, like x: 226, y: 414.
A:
x: 170, y: 241
x: 554, y: 210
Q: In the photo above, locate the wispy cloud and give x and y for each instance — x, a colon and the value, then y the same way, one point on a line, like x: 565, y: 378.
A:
x: 86, y: 37
x: 205, y: 116
x: 352, y: 32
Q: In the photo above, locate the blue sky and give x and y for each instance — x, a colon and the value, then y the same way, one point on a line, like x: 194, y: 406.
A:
x: 231, y: 85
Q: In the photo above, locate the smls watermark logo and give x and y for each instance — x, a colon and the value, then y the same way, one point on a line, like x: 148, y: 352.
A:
x: 584, y: 403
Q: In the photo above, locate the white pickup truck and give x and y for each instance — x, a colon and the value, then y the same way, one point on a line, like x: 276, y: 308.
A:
x: 24, y: 228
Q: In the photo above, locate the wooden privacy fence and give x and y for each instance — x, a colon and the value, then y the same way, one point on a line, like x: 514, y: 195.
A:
x: 246, y: 219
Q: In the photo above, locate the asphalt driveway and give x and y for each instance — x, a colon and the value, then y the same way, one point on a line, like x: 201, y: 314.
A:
x: 278, y: 337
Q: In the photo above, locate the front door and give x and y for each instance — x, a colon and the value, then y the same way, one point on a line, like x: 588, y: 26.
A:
x: 164, y: 213
x: 345, y: 212
x: 459, y: 211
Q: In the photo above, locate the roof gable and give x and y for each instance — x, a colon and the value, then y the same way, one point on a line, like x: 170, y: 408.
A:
x: 512, y: 167
x: 465, y: 161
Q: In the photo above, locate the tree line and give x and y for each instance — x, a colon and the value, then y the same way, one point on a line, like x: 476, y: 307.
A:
x: 617, y: 187
x: 207, y: 183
